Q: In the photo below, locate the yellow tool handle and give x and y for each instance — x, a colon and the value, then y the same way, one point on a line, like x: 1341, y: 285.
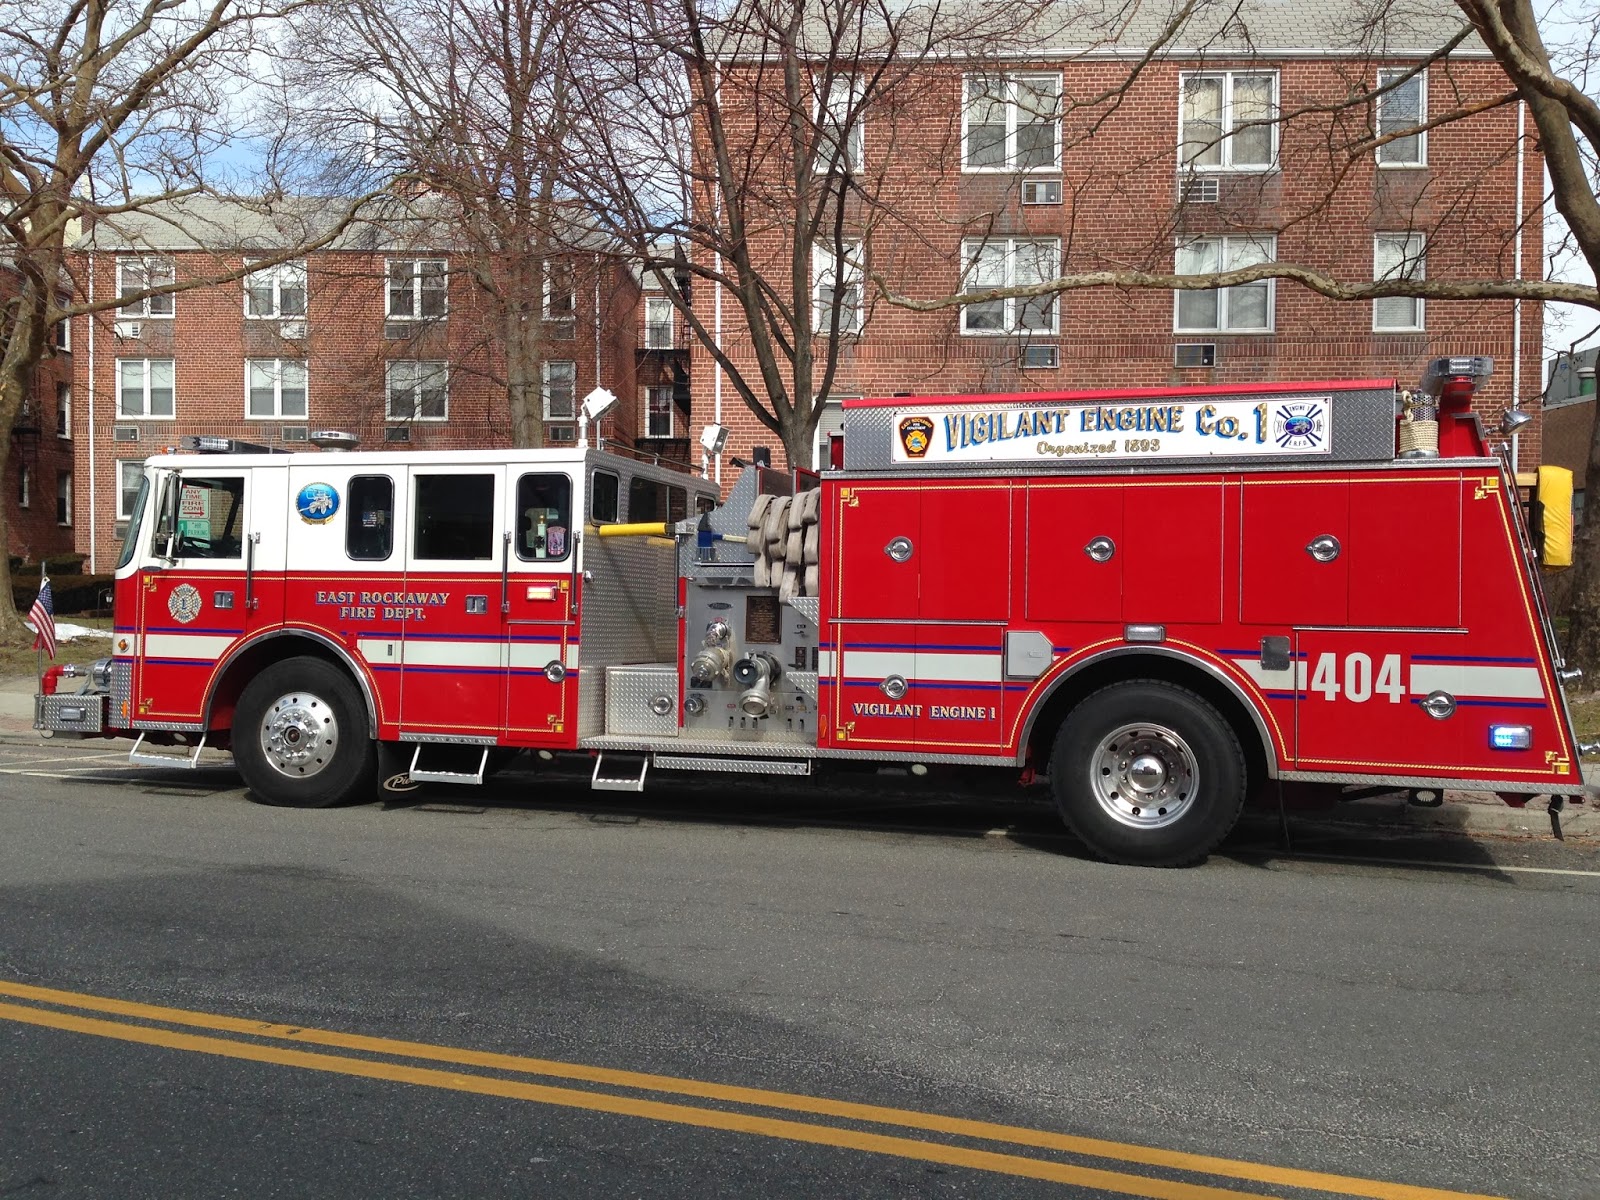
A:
x: 637, y: 529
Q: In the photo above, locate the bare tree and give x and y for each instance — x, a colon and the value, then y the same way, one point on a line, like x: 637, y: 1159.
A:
x: 724, y: 147
x: 110, y: 109
x: 471, y: 99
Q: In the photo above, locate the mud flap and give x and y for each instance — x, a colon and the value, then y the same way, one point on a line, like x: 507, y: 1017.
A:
x: 394, y: 761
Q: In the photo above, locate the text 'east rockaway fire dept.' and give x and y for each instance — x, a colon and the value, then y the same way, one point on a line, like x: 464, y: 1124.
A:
x: 1164, y: 600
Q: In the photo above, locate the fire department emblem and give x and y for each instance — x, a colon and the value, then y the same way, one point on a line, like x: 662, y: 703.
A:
x: 916, y: 435
x: 184, y: 603
x: 1300, y: 425
x: 316, y: 503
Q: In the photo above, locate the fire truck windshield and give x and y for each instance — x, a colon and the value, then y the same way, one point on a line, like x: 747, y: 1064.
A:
x: 130, y: 541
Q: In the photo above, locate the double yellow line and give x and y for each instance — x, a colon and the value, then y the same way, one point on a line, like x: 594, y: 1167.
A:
x: 263, y: 1042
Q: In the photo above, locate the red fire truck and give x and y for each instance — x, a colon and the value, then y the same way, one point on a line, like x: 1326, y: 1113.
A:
x: 1163, y: 599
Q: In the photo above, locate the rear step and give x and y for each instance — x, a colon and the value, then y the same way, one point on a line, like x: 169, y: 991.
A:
x: 182, y: 759
x: 421, y: 774
x: 616, y: 771
x: 733, y: 766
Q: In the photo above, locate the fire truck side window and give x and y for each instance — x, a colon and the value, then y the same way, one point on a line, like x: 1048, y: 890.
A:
x: 605, y: 498
x: 652, y: 500
x: 454, y: 517
x: 210, y: 514
x: 544, y: 512
x: 369, y: 536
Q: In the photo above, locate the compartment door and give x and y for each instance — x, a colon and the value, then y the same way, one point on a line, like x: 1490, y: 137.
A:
x: 1063, y: 581
x: 541, y: 566
x: 1283, y: 581
x: 880, y: 535
x: 1359, y: 708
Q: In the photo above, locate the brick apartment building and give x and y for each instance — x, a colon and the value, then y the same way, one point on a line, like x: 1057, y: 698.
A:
x: 39, y: 478
x: 1229, y: 147
x: 384, y: 333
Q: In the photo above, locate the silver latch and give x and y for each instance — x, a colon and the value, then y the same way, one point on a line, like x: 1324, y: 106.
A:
x: 1100, y: 549
x: 1439, y: 705
x: 894, y: 687
x: 898, y: 549
x: 1324, y: 547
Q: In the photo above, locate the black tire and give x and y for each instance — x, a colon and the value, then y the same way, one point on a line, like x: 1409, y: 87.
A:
x: 323, y: 754
x: 1147, y: 773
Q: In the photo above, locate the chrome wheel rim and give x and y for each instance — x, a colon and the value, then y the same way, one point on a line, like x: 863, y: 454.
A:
x: 1144, y: 775
x: 299, y: 735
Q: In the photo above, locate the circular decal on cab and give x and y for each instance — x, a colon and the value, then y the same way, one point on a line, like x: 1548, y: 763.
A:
x: 316, y: 503
x: 184, y: 603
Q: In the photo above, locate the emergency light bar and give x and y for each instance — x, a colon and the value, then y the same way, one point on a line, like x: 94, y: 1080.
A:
x: 1446, y: 376
x: 201, y: 443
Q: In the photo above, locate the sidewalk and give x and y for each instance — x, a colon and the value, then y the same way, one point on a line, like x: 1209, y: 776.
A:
x: 1462, y: 812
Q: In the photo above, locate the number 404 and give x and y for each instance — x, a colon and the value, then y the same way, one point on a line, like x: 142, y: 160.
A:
x: 1359, y: 681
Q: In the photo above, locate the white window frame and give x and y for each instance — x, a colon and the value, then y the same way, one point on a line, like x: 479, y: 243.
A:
x: 64, y: 493
x: 276, y: 367
x: 545, y: 377
x: 1010, y: 321
x: 145, y: 414
x: 670, y: 324
x: 24, y: 486
x: 1009, y: 81
x: 1223, y: 325
x: 417, y: 289
x: 1385, y: 78
x: 672, y: 417
x: 824, y: 273
x: 414, y: 364
x: 152, y: 271
x: 851, y: 91
x: 64, y: 410
x: 1225, y: 138
x: 1412, y: 264
x: 277, y: 275
x: 125, y: 493
x: 570, y: 316
x: 63, y: 335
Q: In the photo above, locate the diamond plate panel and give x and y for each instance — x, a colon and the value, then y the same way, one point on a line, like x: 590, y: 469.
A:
x: 630, y: 690
x: 120, y: 714
x: 72, y: 712
x: 630, y: 615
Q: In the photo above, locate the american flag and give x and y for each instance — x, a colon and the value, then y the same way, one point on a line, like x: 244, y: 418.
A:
x: 43, y: 616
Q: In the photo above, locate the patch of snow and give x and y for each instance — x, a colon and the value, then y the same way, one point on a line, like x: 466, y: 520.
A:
x: 67, y: 632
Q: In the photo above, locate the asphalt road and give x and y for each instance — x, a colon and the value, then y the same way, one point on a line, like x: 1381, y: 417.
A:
x: 762, y: 991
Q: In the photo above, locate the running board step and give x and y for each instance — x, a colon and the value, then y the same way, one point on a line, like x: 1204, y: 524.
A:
x: 421, y: 774
x: 182, y: 759
x: 733, y: 766
x: 619, y: 771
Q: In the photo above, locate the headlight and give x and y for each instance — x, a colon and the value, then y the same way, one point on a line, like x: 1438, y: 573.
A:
x: 100, y: 673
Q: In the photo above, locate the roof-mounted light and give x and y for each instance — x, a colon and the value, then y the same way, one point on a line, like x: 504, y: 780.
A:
x: 333, y: 439
x: 1451, y: 375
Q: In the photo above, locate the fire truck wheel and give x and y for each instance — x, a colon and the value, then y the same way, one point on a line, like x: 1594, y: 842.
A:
x: 300, y: 737
x: 1149, y: 773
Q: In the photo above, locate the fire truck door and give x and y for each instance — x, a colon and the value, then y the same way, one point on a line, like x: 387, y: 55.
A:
x: 193, y: 591
x: 451, y: 605
x: 541, y: 579
x: 1294, y: 543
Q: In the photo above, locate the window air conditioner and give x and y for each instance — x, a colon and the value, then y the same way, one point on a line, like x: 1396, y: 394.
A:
x: 126, y: 329
x: 397, y: 433
x: 1041, y: 191
x: 124, y: 433
x: 292, y: 331
x: 1039, y: 356
x: 294, y: 433
x: 1200, y: 190
x: 1195, y: 354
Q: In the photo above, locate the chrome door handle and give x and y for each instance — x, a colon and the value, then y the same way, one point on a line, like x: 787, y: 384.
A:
x: 1100, y: 549
x: 898, y: 549
x: 1324, y: 547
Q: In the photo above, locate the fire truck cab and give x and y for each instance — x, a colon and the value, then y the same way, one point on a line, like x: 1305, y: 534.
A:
x: 1163, y: 599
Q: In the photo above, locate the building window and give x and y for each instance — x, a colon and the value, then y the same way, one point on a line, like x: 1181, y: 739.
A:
x: 1229, y: 121
x: 836, y: 277
x: 277, y: 291
x: 130, y: 478
x: 1003, y: 263
x: 275, y: 387
x: 658, y: 323
x: 418, y: 289
x: 63, y: 335
x: 1243, y: 309
x: 560, y: 390
x: 1397, y: 256
x: 24, y: 486
x: 63, y: 497
x: 1402, y: 104
x: 134, y: 275
x: 144, y: 387
x: 63, y: 410
x: 418, y: 391
x: 658, y: 412
x: 839, y: 141
x: 1011, y: 123
x: 560, y: 298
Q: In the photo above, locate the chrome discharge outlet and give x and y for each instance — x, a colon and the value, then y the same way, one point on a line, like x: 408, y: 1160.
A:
x: 756, y: 673
x: 1570, y: 674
